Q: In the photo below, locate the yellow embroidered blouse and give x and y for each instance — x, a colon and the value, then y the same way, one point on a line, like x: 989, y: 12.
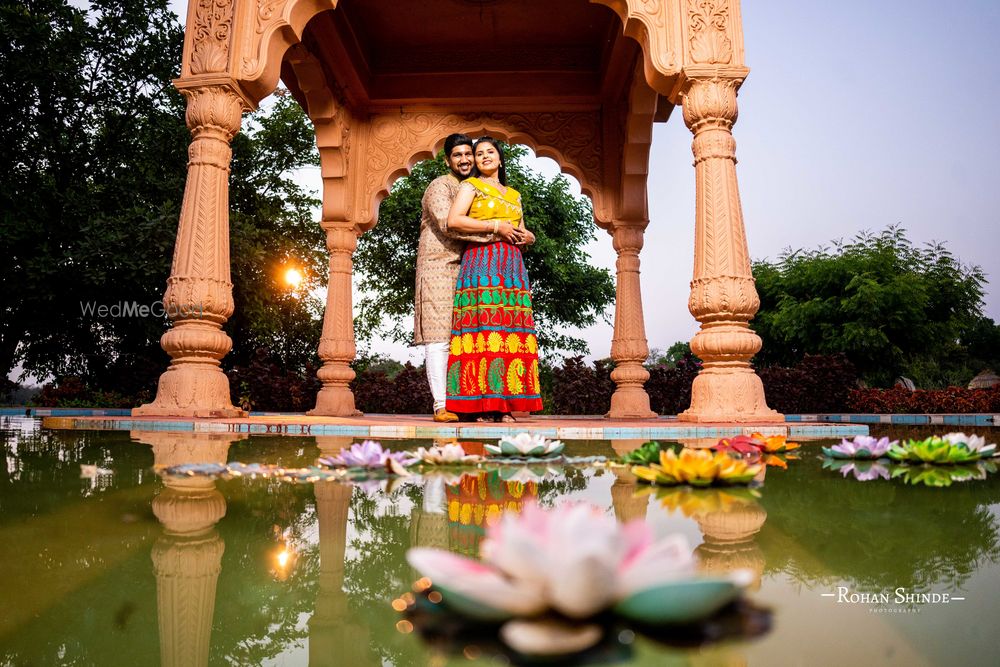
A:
x: 492, y: 204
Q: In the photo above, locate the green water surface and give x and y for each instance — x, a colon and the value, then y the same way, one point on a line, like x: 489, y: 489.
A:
x: 119, y: 568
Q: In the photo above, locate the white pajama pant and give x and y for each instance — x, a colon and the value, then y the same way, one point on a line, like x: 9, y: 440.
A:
x: 436, y: 363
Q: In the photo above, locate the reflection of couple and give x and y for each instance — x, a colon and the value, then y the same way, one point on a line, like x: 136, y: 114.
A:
x: 473, y: 302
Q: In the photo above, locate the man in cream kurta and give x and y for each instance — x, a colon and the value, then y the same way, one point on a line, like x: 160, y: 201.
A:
x: 439, y: 257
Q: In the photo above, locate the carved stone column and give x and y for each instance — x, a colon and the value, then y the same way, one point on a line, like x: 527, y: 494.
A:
x: 199, y: 296
x: 723, y: 298
x: 628, y: 347
x: 336, y: 346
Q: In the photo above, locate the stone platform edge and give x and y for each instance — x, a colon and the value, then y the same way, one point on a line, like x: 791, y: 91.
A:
x: 372, y: 428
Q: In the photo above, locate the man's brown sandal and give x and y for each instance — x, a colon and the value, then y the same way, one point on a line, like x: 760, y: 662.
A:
x: 443, y: 416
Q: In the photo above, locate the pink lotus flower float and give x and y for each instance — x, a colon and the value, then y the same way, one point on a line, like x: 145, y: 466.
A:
x: 576, y: 562
x: 861, y: 447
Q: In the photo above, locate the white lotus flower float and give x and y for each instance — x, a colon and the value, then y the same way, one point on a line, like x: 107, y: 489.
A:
x: 974, y: 443
x: 861, y: 447
x: 526, y: 445
x: 442, y: 455
x: 576, y: 561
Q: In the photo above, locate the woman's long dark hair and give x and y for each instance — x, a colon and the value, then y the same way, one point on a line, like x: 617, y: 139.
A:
x: 502, y: 172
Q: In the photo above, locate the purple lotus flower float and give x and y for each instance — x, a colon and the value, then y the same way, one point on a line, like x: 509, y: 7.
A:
x: 861, y: 447
x: 369, y: 454
x: 576, y: 562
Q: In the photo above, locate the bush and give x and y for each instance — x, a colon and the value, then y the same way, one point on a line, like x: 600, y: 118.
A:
x: 578, y: 389
x: 72, y: 392
x: 953, y: 400
x: 669, y: 387
x: 405, y: 393
x: 267, y: 386
x: 818, y: 383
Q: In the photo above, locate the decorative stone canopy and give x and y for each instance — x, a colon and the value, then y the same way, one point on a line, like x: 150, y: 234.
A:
x: 384, y: 81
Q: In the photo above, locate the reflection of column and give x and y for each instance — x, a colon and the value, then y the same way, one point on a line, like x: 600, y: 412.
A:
x: 628, y: 506
x: 429, y: 521
x: 336, y: 345
x: 723, y: 298
x: 187, y: 558
x: 730, y: 542
x: 334, y: 638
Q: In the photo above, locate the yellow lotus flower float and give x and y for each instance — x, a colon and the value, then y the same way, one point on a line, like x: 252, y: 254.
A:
x: 553, y: 579
x: 697, y: 467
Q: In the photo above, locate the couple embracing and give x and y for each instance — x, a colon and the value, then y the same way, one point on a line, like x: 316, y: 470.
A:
x: 472, y: 311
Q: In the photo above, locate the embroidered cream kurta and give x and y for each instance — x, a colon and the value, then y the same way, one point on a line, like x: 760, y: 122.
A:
x: 439, y: 256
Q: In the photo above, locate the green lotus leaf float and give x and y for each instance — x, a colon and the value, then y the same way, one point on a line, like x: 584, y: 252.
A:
x: 949, y: 449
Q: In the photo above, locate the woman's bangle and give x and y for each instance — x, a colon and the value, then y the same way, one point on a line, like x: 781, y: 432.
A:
x: 496, y: 226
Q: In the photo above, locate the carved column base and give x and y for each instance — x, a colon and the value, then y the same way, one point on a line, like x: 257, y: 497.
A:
x: 191, y: 389
x: 335, y: 399
x: 728, y: 394
x: 630, y: 400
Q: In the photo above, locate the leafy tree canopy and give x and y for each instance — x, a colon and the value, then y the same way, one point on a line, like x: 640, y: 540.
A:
x: 892, y: 308
x: 93, y: 146
x: 567, y: 291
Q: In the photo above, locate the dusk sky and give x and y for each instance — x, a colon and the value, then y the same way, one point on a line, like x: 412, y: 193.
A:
x: 856, y: 115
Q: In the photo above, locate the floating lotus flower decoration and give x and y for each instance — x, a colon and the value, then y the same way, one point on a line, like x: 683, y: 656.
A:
x: 697, y: 467
x: 649, y: 452
x: 863, y: 470
x: 526, y: 445
x: 861, y: 447
x: 756, y: 444
x: 949, y: 449
x: 368, y: 454
x: 449, y: 454
x: 578, y: 562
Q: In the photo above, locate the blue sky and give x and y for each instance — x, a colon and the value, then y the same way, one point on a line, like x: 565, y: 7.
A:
x: 856, y: 115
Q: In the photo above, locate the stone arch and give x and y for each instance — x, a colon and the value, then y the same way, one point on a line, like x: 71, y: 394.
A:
x: 398, y: 141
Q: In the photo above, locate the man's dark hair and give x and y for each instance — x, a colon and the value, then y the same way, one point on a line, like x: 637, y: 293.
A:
x: 453, y: 140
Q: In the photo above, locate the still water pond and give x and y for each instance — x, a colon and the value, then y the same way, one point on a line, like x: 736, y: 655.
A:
x: 116, y: 567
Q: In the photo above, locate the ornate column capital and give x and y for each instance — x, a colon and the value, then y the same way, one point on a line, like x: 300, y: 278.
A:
x: 213, y: 110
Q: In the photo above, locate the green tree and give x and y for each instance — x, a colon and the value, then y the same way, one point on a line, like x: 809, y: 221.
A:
x: 892, y: 308
x: 671, y: 356
x: 93, y: 145
x: 567, y: 291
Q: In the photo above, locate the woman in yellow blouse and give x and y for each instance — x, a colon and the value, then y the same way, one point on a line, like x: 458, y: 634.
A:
x: 493, y: 364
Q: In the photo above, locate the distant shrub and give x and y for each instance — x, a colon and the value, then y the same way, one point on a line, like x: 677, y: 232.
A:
x: 953, y: 400
x: 407, y: 392
x: 73, y: 392
x: 581, y: 389
x: 669, y: 387
x: 266, y: 386
x: 818, y: 383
